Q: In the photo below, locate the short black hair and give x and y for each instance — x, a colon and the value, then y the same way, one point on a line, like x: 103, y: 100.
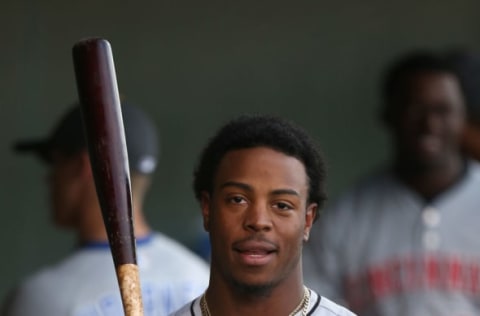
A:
x: 397, y: 77
x: 257, y: 130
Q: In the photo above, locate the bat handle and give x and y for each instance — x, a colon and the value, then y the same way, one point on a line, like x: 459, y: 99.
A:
x: 128, y: 280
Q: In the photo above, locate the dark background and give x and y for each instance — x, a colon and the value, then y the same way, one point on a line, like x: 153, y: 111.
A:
x: 192, y: 65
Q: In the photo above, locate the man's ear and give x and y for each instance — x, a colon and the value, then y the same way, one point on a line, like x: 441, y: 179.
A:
x: 310, y: 215
x: 205, y: 205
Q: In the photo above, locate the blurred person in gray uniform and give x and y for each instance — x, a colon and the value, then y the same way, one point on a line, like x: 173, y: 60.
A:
x: 259, y: 183
x: 84, y: 283
x: 404, y: 240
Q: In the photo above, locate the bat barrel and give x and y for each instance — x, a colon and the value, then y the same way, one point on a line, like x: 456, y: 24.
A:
x: 101, y: 111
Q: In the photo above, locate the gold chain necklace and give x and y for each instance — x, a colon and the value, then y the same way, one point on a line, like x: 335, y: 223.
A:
x: 302, y: 306
x: 204, y: 305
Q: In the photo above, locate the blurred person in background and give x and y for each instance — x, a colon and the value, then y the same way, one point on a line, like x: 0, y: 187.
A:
x: 404, y: 240
x: 85, y: 282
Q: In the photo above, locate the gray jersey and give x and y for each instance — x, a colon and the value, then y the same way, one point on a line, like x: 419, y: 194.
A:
x: 317, y: 306
x: 387, y: 252
x: 85, y: 283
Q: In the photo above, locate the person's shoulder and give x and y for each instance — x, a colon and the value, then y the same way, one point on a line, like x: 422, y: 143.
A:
x: 54, y: 273
x: 474, y: 168
x: 31, y: 294
x: 176, y: 256
x: 64, y: 276
x: 332, y: 308
x: 175, y: 249
x: 326, y: 307
x: 471, y: 177
x: 40, y: 279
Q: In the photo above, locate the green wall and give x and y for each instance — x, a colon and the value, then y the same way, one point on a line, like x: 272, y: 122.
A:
x: 193, y: 65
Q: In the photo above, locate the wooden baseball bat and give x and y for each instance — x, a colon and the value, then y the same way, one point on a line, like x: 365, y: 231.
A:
x: 101, y: 111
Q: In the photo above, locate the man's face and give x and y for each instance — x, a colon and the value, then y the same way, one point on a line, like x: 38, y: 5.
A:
x: 258, y: 217
x: 430, y: 119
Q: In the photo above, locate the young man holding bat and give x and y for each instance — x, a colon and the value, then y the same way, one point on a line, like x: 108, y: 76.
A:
x: 260, y: 184
x: 85, y: 283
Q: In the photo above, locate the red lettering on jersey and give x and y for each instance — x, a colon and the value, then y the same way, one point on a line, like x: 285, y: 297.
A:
x: 454, y: 274
x: 407, y: 274
x: 432, y: 272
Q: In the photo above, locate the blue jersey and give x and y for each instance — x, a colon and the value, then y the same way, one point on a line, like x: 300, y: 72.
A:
x: 85, y: 283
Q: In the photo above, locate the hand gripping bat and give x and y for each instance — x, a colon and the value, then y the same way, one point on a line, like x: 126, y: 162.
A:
x: 101, y: 112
